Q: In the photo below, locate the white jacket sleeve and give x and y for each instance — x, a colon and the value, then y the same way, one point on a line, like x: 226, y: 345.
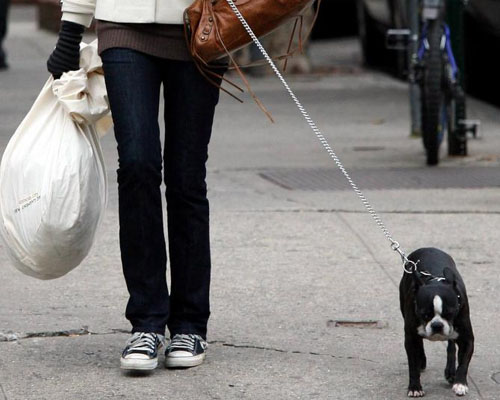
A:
x: 78, y: 11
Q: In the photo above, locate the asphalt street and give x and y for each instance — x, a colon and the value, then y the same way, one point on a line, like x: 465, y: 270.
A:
x: 305, y: 286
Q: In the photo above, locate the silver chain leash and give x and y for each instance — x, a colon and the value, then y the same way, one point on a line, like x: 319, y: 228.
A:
x: 408, y: 265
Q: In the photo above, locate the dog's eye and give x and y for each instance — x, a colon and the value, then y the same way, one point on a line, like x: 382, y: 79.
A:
x: 425, y: 314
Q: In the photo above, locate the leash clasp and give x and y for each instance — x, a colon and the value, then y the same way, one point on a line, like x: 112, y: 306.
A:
x: 409, y: 266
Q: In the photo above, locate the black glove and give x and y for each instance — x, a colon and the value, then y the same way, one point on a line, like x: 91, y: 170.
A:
x: 66, y: 55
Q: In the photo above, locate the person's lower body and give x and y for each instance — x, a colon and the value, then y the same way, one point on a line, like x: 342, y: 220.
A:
x: 133, y: 82
x: 4, y: 10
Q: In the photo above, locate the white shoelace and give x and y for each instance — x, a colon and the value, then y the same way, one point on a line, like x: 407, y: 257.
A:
x: 142, y: 342
x: 185, y: 342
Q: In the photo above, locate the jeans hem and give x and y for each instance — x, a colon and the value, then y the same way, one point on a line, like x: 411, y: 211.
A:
x: 188, y: 330
x: 148, y: 329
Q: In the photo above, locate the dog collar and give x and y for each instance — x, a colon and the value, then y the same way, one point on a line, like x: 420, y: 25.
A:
x: 432, y: 277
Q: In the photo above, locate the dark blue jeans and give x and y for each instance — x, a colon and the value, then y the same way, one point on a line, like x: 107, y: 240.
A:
x: 133, y: 81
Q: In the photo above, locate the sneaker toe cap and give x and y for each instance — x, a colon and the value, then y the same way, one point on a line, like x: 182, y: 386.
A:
x: 136, y: 356
x: 179, y: 354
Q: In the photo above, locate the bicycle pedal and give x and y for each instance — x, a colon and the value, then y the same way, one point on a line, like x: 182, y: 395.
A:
x: 397, y: 39
x: 470, y: 127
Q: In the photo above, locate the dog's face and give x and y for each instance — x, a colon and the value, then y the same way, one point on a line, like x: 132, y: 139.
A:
x: 436, y: 306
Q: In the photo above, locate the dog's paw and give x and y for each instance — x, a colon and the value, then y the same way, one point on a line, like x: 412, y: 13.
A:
x: 416, y: 393
x: 460, y: 389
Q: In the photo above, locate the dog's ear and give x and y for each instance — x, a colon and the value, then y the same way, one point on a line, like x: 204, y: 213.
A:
x: 450, y: 277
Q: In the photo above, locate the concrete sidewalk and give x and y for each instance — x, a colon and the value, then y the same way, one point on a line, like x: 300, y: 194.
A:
x: 293, y: 252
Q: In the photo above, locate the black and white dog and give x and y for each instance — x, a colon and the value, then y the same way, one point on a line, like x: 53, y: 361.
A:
x: 435, y: 307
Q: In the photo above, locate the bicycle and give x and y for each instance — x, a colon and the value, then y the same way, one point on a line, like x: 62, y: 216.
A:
x: 437, y: 98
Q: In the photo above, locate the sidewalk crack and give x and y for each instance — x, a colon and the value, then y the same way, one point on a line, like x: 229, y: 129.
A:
x: 84, y: 331
x: 309, y: 353
x: 476, y: 386
x: 3, y: 392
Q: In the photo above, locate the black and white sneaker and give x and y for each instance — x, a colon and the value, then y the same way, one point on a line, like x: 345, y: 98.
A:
x: 185, y: 351
x: 141, y: 351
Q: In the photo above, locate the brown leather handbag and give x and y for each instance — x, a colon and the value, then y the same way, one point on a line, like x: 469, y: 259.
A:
x: 214, y: 31
x: 213, y: 28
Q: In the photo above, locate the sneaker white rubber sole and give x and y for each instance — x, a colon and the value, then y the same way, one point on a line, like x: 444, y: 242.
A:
x: 134, y: 364
x: 184, y: 361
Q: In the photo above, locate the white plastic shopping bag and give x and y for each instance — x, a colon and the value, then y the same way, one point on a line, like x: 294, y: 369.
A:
x: 52, y: 176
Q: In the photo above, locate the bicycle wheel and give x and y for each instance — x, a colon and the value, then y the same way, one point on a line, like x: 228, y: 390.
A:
x: 433, y: 99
